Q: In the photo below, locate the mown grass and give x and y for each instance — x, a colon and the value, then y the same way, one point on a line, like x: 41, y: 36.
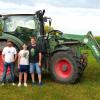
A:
x: 87, y: 89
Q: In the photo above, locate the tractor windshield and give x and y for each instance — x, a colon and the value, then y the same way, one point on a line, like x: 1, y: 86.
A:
x: 18, y: 22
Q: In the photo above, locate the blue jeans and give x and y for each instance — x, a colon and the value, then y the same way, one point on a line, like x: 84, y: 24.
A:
x: 35, y: 66
x: 6, y: 65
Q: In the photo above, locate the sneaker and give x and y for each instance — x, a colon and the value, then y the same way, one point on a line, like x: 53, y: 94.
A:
x: 19, y: 84
x: 25, y: 84
x: 40, y: 84
x: 33, y: 83
x: 13, y: 84
x: 2, y: 84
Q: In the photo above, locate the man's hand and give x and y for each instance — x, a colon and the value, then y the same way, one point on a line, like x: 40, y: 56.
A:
x: 39, y: 64
x: 15, y: 57
x: 40, y: 57
x: 14, y: 60
x: 18, y: 66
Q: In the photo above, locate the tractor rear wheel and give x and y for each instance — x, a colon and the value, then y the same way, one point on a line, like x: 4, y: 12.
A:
x: 64, y: 67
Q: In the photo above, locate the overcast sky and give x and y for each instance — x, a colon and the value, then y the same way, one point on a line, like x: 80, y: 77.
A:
x: 69, y: 16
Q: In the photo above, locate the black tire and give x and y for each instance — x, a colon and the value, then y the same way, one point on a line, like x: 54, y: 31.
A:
x: 8, y: 77
x: 74, y: 70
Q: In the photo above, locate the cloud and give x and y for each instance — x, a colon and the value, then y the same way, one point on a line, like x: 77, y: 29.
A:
x: 59, y: 3
x: 67, y: 19
x: 78, y: 3
x: 77, y: 21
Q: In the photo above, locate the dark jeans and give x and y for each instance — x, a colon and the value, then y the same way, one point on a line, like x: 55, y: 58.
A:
x: 6, y: 65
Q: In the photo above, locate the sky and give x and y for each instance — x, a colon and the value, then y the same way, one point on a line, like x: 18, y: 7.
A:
x: 69, y: 16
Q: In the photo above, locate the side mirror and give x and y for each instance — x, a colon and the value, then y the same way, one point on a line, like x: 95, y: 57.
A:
x: 49, y: 22
x: 44, y: 19
x: 43, y: 11
x: 40, y: 14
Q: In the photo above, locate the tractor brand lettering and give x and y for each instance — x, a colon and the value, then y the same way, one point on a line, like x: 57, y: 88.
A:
x: 96, y: 51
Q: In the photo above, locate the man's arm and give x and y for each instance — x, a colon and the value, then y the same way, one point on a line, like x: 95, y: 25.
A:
x: 40, y: 58
x: 19, y: 60
x: 15, y: 52
x: 15, y: 57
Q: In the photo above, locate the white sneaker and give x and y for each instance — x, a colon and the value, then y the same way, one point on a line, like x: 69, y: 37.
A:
x: 25, y: 84
x: 19, y: 84
x: 13, y: 84
x: 2, y: 84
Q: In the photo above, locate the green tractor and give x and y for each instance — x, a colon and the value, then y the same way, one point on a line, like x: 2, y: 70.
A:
x: 62, y: 53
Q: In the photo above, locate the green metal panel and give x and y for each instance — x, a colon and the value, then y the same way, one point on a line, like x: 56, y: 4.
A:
x: 14, y: 39
x: 62, y: 48
x: 73, y: 37
x: 88, y: 40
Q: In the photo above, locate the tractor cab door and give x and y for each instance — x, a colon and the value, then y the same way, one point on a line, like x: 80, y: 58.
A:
x: 0, y: 25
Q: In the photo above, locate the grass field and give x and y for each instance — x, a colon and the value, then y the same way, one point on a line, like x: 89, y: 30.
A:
x: 87, y: 89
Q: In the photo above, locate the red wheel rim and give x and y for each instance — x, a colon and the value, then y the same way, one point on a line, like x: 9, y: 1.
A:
x: 2, y: 66
x: 63, y: 68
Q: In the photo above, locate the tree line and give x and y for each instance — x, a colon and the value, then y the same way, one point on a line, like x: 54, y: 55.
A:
x: 97, y: 39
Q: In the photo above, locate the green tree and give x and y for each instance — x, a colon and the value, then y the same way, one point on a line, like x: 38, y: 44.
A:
x: 97, y: 39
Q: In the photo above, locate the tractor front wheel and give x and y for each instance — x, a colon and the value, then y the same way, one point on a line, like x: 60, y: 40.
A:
x: 64, y: 67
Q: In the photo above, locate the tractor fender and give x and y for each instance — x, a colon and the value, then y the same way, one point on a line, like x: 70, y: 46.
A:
x: 18, y: 44
x: 64, y: 48
x: 14, y: 39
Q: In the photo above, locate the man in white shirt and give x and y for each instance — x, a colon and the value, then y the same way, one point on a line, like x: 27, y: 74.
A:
x: 9, y: 56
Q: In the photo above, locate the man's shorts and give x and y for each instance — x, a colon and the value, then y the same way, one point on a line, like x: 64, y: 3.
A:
x: 23, y: 68
x: 33, y: 67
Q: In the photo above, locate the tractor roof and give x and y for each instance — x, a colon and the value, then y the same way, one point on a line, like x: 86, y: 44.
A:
x: 15, y: 15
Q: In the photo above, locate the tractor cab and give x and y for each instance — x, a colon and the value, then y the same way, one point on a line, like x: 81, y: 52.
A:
x: 22, y: 26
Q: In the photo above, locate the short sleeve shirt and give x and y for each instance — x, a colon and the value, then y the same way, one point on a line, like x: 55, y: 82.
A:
x: 24, y: 57
x: 34, y: 53
x: 9, y: 53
